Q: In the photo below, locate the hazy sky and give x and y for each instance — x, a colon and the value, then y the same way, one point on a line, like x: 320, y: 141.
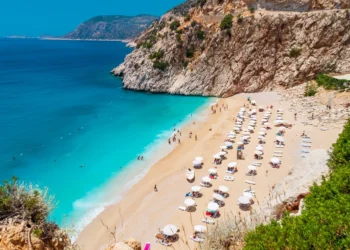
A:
x: 37, y: 17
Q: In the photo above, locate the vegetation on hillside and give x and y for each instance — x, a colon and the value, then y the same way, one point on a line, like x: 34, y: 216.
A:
x: 310, y: 89
x: 295, y: 52
x: 325, y: 221
x: 226, y: 22
x: 174, y: 25
x: 331, y: 83
x: 160, y: 65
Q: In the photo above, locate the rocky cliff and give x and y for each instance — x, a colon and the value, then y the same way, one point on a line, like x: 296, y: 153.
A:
x: 261, y: 45
x: 111, y: 27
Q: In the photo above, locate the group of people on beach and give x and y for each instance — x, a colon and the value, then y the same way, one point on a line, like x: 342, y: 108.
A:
x: 140, y: 158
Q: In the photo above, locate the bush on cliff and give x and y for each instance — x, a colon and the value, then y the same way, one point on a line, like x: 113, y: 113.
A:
x: 310, y: 89
x: 200, y: 34
x: 226, y: 22
x: 331, y: 83
x: 325, y: 221
x: 295, y: 52
x: 174, y: 25
x: 160, y: 65
x: 157, y: 55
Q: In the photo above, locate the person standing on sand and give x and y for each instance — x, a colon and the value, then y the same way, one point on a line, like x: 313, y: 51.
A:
x: 295, y: 116
x: 169, y: 141
x: 178, y: 140
x: 195, y: 137
x: 155, y: 188
x: 267, y: 172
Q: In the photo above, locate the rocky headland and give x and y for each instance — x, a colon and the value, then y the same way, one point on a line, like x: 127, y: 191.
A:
x: 224, y: 47
x: 111, y: 27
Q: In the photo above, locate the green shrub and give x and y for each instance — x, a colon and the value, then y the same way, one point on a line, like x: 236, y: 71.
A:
x: 193, y: 23
x: 190, y: 52
x: 160, y: 65
x: 157, y: 55
x: 295, y: 52
x: 239, y: 18
x: 37, y: 232
x: 161, y: 25
x: 310, y: 90
x: 200, y: 34
x: 325, y: 221
x: 178, y: 38
x: 178, y: 31
x: 187, y: 18
x: 331, y: 83
x: 252, y: 10
x: 184, y: 63
x: 147, y: 45
x: 174, y: 25
x: 226, y: 22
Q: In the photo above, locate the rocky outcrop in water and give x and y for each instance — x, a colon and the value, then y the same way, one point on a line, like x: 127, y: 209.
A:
x: 264, y: 47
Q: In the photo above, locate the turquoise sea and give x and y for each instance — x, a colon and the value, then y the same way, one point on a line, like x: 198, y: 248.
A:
x: 67, y: 124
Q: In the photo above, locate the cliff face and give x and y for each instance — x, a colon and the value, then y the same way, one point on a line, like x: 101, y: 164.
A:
x: 267, y: 47
x: 111, y: 27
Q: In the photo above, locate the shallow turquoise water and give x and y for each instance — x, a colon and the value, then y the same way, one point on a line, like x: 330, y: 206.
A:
x: 61, y: 109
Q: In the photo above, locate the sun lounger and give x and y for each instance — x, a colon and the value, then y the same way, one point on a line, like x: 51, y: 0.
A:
x: 208, y: 221
x: 230, y: 172
x: 305, y: 151
x: 257, y: 164
x: 278, y: 152
x: 196, y: 239
x: 279, y: 146
x: 165, y: 243
x: 249, y: 191
x: 306, y: 145
x: 250, y: 182
x: 277, y: 155
x: 229, y: 178
x: 182, y: 208
x: 306, y: 140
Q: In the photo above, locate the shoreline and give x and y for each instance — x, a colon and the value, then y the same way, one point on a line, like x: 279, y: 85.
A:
x: 142, y: 211
x: 134, y: 171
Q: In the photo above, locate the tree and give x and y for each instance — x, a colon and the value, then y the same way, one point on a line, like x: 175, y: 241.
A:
x: 226, y: 22
x: 174, y: 25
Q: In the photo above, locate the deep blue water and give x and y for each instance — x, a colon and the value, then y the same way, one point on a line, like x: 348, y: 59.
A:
x: 61, y: 109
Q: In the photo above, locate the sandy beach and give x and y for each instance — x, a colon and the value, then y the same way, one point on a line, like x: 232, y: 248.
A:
x: 142, y: 212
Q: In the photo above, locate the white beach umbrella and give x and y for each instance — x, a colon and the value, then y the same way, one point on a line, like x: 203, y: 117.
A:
x: 279, y: 118
x: 198, y: 158
x: 269, y: 110
x: 223, y: 189
x: 239, y: 119
x: 252, y: 122
x: 259, y: 147
x: 279, y: 138
x: 190, y: 202
x: 196, y: 188
x: 257, y: 152
x: 250, y: 128
x: 231, y: 133
x: 200, y: 229
x: 206, y: 179
x: 281, y: 129
x: 196, y: 163
x: 262, y: 133
x: 261, y: 137
x: 239, y: 143
x: 170, y: 230
x: 251, y: 167
x: 216, y: 156
x: 238, y: 125
x: 232, y: 164
x: 242, y: 109
x: 223, y: 147
x: 218, y: 197
x: 246, y: 137
x: 244, y: 200
x: 222, y: 153
x: 228, y: 144
x: 212, y: 206
x: 278, y: 121
x: 275, y: 160
x: 253, y: 102
x: 212, y: 171
x: 266, y: 124
x: 232, y: 136
x: 246, y: 133
x: 236, y: 128
x: 249, y: 195
x: 264, y: 120
x: 263, y: 129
